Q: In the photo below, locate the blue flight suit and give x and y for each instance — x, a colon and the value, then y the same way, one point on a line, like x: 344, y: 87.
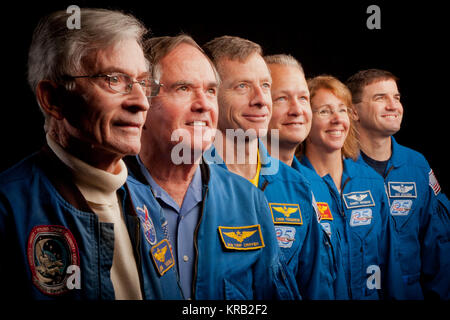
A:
x: 421, y: 214
x: 368, y: 237
x: 324, y: 206
x: 53, y: 245
x: 300, y: 237
x: 236, y: 251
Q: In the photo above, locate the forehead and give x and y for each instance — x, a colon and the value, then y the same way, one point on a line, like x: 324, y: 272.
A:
x: 253, y: 68
x: 287, y: 78
x: 187, y: 62
x: 381, y: 87
x: 325, y: 97
x: 125, y: 56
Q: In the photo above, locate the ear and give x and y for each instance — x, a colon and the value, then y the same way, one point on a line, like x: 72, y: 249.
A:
x: 49, y: 96
x: 354, y: 113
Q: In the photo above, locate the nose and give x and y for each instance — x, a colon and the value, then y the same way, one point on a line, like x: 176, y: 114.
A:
x: 203, y: 102
x: 136, y: 100
x: 392, y: 103
x: 260, y: 98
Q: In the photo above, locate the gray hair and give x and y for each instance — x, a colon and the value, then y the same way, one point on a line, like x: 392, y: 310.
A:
x: 284, y: 60
x: 57, y: 51
x: 158, y: 47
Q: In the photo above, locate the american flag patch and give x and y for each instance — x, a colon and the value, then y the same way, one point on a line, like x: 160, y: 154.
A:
x: 434, y: 184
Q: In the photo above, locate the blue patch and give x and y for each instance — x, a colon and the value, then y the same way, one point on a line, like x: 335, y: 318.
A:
x: 401, y: 207
x: 358, y: 199
x: 402, y: 189
x: 286, y: 213
x: 285, y: 236
x: 327, y: 227
x: 242, y: 238
x: 361, y: 217
x: 162, y: 256
x: 147, y: 223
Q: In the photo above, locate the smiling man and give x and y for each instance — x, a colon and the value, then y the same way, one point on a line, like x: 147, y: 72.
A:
x: 418, y: 207
x: 219, y: 227
x: 69, y: 213
x: 245, y: 108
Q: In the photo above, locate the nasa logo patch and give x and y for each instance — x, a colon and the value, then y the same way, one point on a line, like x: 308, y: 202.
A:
x: 285, y: 236
x: 361, y: 217
x: 149, y: 227
x: 54, y: 260
x: 401, y: 207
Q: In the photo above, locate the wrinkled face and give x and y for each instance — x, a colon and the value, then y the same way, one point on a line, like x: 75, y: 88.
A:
x: 107, y: 120
x: 186, y: 107
x: 330, y: 121
x: 291, y: 114
x: 244, y: 94
x: 380, y: 110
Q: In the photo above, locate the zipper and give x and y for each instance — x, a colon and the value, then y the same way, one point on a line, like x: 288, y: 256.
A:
x: 194, y: 280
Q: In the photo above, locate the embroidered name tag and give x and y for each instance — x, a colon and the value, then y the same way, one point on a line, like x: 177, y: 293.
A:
x: 162, y: 256
x: 285, y: 213
x: 241, y: 238
x: 402, y: 190
x: 324, y: 210
x: 401, y: 207
x: 358, y: 199
x: 361, y: 217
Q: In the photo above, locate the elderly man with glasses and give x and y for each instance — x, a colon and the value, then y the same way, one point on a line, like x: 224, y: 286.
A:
x: 73, y: 225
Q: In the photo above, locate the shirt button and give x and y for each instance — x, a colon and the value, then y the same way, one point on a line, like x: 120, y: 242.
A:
x: 185, y: 258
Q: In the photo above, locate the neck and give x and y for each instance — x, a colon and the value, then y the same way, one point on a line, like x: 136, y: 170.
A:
x: 375, y: 146
x: 96, y: 157
x: 326, y: 163
x: 286, y: 152
x: 173, y: 178
x: 240, y: 158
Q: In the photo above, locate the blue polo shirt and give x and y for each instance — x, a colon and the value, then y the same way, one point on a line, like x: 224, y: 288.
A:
x: 181, y: 224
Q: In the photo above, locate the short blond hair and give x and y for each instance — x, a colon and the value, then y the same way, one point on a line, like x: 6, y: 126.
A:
x: 284, y: 60
x: 350, y: 149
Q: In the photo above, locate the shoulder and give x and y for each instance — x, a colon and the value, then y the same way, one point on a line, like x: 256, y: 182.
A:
x: 411, y: 157
x: 23, y: 171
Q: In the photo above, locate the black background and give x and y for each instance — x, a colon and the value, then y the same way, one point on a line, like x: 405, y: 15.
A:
x: 327, y: 38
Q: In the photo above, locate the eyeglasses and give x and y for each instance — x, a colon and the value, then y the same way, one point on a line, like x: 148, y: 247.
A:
x: 123, y: 83
x: 326, y: 111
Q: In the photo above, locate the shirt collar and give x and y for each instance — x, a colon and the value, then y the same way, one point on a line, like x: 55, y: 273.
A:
x: 193, y: 193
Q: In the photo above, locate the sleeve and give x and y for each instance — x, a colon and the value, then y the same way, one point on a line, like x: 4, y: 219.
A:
x: 315, y: 274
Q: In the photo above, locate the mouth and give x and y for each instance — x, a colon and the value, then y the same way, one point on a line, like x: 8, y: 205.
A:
x: 255, y: 117
x: 390, y: 116
x: 128, y: 125
x: 197, y: 123
x: 335, y: 133
x: 294, y: 123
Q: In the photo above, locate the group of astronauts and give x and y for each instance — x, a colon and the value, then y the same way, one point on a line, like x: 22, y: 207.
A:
x: 174, y: 171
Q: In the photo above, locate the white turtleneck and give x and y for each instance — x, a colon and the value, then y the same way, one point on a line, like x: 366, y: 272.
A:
x: 99, y: 188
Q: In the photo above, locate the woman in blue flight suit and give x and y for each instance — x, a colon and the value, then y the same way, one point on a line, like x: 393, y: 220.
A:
x: 362, y: 218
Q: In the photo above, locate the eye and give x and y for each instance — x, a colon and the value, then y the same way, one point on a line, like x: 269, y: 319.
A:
x: 114, y: 79
x: 304, y: 99
x: 266, y: 85
x: 343, y: 110
x: 324, y: 112
x: 281, y: 99
x: 212, y: 91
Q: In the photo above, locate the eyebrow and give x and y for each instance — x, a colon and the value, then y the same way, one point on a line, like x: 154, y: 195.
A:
x: 120, y: 70
x: 188, y: 83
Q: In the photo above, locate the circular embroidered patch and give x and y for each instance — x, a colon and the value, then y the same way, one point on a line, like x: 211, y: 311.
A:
x: 51, y: 251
